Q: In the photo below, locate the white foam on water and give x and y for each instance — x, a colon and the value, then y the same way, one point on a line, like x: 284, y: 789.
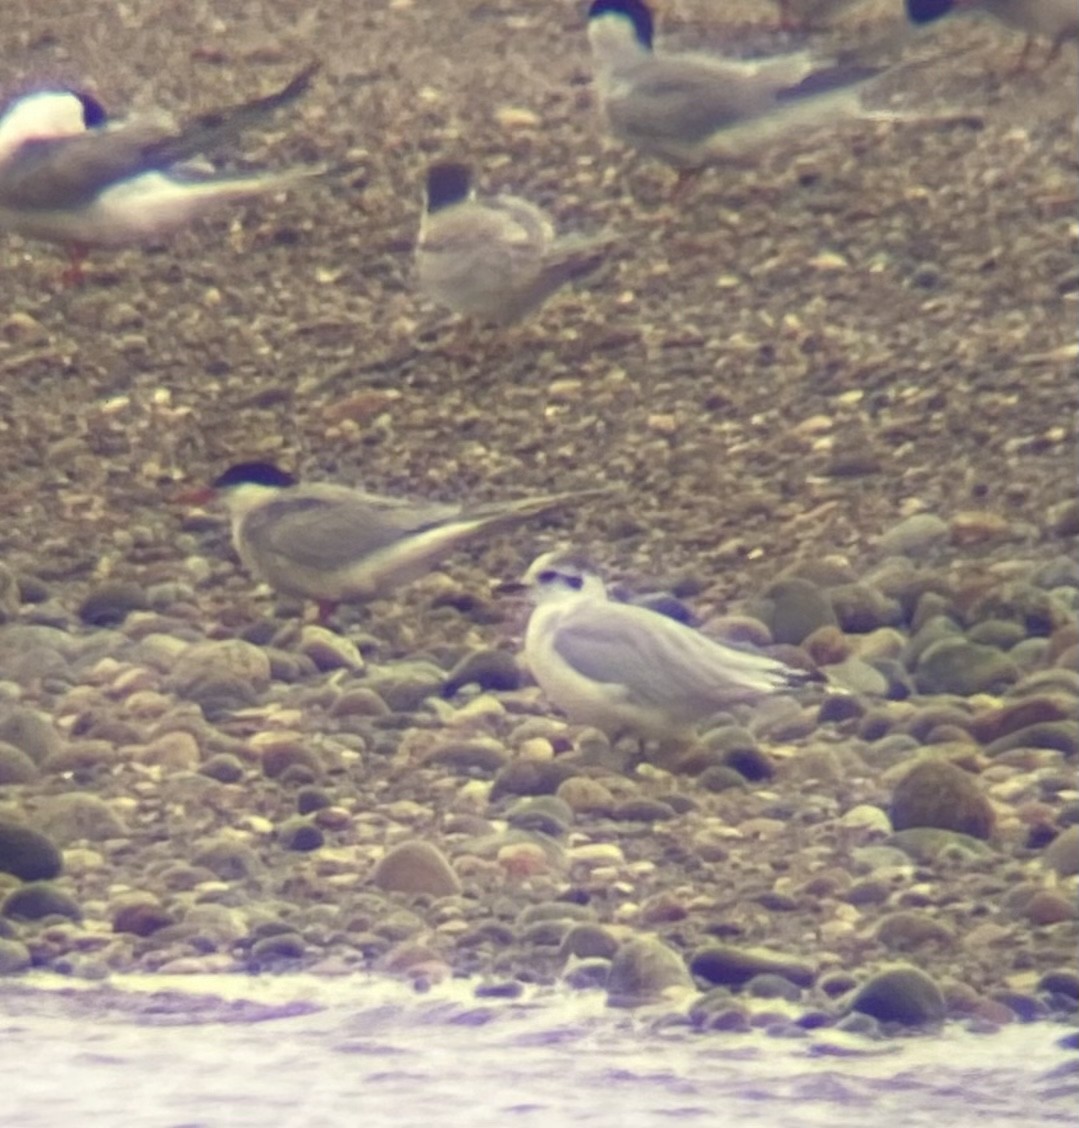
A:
x: 300, y: 1050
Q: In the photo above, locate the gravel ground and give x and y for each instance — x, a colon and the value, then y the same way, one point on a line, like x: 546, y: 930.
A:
x: 831, y: 387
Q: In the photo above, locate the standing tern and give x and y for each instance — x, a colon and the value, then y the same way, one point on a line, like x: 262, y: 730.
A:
x: 1055, y: 20
x: 495, y: 260
x: 335, y: 544
x: 695, y: 110
x: 68, y: 175
x: 620, y: 667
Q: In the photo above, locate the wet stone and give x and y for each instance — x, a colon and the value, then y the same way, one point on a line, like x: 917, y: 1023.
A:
x: 27, y: 853
x: 642, y: 971
x: 224, y: 767
x: 491, y: 669
x: 38, y: 901
x: 937, y: 794
x: 726, y: 965
x: 794, y: 608
x: 904, y: 995
x: 954, y: 665
x: 300, y: 834
x: 110, y: 604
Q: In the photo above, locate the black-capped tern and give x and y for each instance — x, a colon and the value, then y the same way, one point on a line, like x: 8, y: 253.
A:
x: 69, y: 175
x: 496, y: 260
x: 334, y: 544
x: 1055, y: 20
x: 695, y: 110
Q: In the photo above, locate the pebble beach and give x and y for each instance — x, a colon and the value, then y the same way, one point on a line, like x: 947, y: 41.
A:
x: 833, y: 396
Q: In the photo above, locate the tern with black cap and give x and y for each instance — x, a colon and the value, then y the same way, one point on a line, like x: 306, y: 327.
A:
x: 69, y: 175
x: 495, y: 260
x: 695, y: 110
x: 334, y: 544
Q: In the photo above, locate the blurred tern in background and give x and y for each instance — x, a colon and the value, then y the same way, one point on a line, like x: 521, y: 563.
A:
x: 334, y: 544
x: 624, y: 668
x: 1055, y: 20
x: 695, y: 110
x: 68, y: 175
x: 495, y: 260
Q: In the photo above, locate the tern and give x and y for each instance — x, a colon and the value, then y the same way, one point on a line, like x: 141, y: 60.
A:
x: 334, y: 544
x: 620, y: 667
x: 495, y: 260
x: 68, y: 175
x: 694, y: 110
x: 1055, y: 20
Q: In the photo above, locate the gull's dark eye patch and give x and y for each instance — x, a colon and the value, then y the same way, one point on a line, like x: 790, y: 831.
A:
x: 547, y: 576
x: 575, y: 582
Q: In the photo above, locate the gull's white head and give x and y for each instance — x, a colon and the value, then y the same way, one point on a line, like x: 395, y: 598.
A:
x: 48, y: 114
x: 562, y: 575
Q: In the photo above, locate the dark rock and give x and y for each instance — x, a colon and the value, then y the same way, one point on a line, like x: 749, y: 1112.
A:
x: 27, y: 854
x: 300, y: 834
x: 937, y: 794
x: 1061, y: 735
x: 642, y: 970
x: 954, y: 665
x: 860, y: 608
x: 277, y: 948
x: 489, y: 669
x: 224, y: 767
x: 110, y: 604
x: 904, y: 994
x: 587, y: 941
x: 39, y: 900
x: 793, y: 609
x: 731, y: 966
x: 141, y: 920
x: 278, y: 758
x: 530, y: 777
x: 545, y: 813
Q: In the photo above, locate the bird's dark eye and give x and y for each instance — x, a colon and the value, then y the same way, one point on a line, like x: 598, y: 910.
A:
x: 547, y: 576
x: 575, y: 582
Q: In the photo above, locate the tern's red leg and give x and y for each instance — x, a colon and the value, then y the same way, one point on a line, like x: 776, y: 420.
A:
x: 74, y: 275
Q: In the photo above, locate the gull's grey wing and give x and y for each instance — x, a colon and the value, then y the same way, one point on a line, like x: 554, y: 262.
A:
x: 329, y: 533
x: 68, y: 172
x: 663, y: 662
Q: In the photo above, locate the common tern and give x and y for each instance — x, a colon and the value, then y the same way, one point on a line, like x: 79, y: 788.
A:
x: 495, y: 260
x: 624, y: 668
x: 1055, y: 20
x: 695, y: 110
x: 334, y: 544
x: 68, y: 175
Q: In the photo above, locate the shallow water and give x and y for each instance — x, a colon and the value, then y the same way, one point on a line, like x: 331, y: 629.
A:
x: 149, y: 1053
